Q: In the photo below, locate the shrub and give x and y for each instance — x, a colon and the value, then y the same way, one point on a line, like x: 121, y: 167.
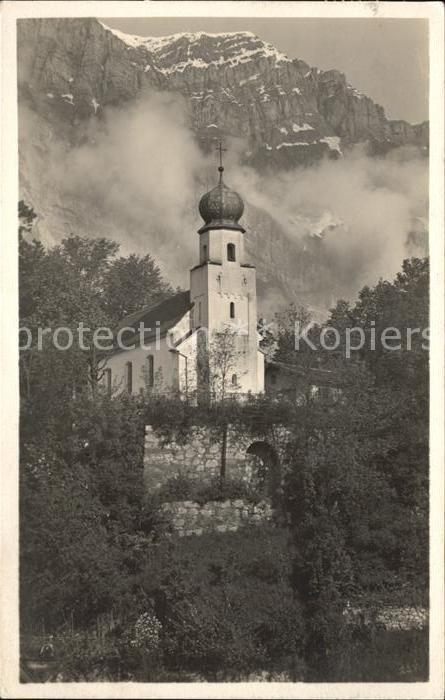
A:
x: 147, y: 631
x: 218, y: 616
x: 84, y: 656
x: 177, y: 488
x: 122, y: 654
x: 84, y: 518
x: 183, y: 488
x: 376, y: 655
x: 229, y: 489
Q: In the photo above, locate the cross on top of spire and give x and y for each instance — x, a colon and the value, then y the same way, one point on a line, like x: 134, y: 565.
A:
x: 221, y: 207
x: 221, y: 150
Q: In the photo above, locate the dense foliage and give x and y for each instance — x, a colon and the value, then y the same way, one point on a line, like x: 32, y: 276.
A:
x: 183, y: 488
x: 225, y: 602
x: 80, y: 281
x: 357, y: 478
x: 83, y: 514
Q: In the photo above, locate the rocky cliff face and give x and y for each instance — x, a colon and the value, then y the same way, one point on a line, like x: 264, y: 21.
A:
x: 285, y: 113
x: 235, y: 84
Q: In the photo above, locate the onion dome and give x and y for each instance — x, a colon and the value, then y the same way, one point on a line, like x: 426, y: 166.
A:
x: 221, y: 207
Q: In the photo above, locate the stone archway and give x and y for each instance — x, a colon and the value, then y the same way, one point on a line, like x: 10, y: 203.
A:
x: 263, y: 467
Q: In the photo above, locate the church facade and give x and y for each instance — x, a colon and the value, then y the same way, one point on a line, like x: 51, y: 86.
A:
x: 206, y: 337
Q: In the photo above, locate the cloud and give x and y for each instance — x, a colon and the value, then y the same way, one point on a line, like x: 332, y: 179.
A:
x: 141, y: 170
x: 136, y: 175
x: 363, y: 210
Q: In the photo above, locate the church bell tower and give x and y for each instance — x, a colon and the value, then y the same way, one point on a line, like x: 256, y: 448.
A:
x: 223, y: 285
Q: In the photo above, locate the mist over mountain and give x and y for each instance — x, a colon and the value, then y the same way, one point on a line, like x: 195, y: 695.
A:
x: 117, y: 137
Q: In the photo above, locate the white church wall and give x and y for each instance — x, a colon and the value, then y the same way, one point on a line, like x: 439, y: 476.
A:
x: 187, y: 365
x: 165, y: 368
x: 165, y: 362
x: 260, y: 371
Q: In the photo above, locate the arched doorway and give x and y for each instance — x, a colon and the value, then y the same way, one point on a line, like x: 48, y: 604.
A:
x: 263, y: 467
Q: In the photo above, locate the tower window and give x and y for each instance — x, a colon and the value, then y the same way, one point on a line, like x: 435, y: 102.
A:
x: 204, y: 252
x: 150, y: 370
x: 231, y: 252
x: 199, y: 311
x: 129, y: 377
x: 232, y: 309
x: 234, y: 380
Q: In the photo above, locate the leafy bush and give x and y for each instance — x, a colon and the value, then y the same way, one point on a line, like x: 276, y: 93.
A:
x: 217, y: 614
x: 183, y: 488
x: 147, y: 631
x: 374, y: 655
x: 123, y: 653
x: 229, y: 489
x: 177, y: 488
x: 84, y: 518
x: 85, y: 657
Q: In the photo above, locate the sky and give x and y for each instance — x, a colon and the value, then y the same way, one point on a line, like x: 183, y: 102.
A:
x: 385, y: 58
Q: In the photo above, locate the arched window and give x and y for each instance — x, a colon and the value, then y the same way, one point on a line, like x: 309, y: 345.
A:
x: 150, y: 370
x: 129, y: 377
x: 234, y: 380
x: 232, y: 309
x: 231, y: 252
x: 204, y: 252
x: 108, y: 381
x: 199, y: 310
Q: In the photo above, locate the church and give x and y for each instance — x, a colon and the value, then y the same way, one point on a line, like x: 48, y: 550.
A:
x: 206, y: 336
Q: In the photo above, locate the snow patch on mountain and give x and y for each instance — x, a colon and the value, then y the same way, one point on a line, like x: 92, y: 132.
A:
x: 235, y: 49
x: 327, y: 223
x: 305, y: 127
x: 249, y: 79
x: 333, y: 143
x: 294, y: 143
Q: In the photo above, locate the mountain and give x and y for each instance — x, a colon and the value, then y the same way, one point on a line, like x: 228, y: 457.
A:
x: 235, y: 83
x: 285, y: 113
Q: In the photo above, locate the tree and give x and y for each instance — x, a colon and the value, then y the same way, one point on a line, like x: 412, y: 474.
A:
x: 223, y: 361
x: 403, y: 373
x: 27, y: 216
x: 357, y: 471
x: 79, y: 282
x: 84, y: 516
x: 62, y: 288
x: 286, y: 323
x: 344, y: 515
x: 132, y: 283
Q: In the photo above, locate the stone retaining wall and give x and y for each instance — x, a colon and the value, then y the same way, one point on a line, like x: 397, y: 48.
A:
x: 199, y: 457
x: 390, y: 617
x: 190, y: 518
